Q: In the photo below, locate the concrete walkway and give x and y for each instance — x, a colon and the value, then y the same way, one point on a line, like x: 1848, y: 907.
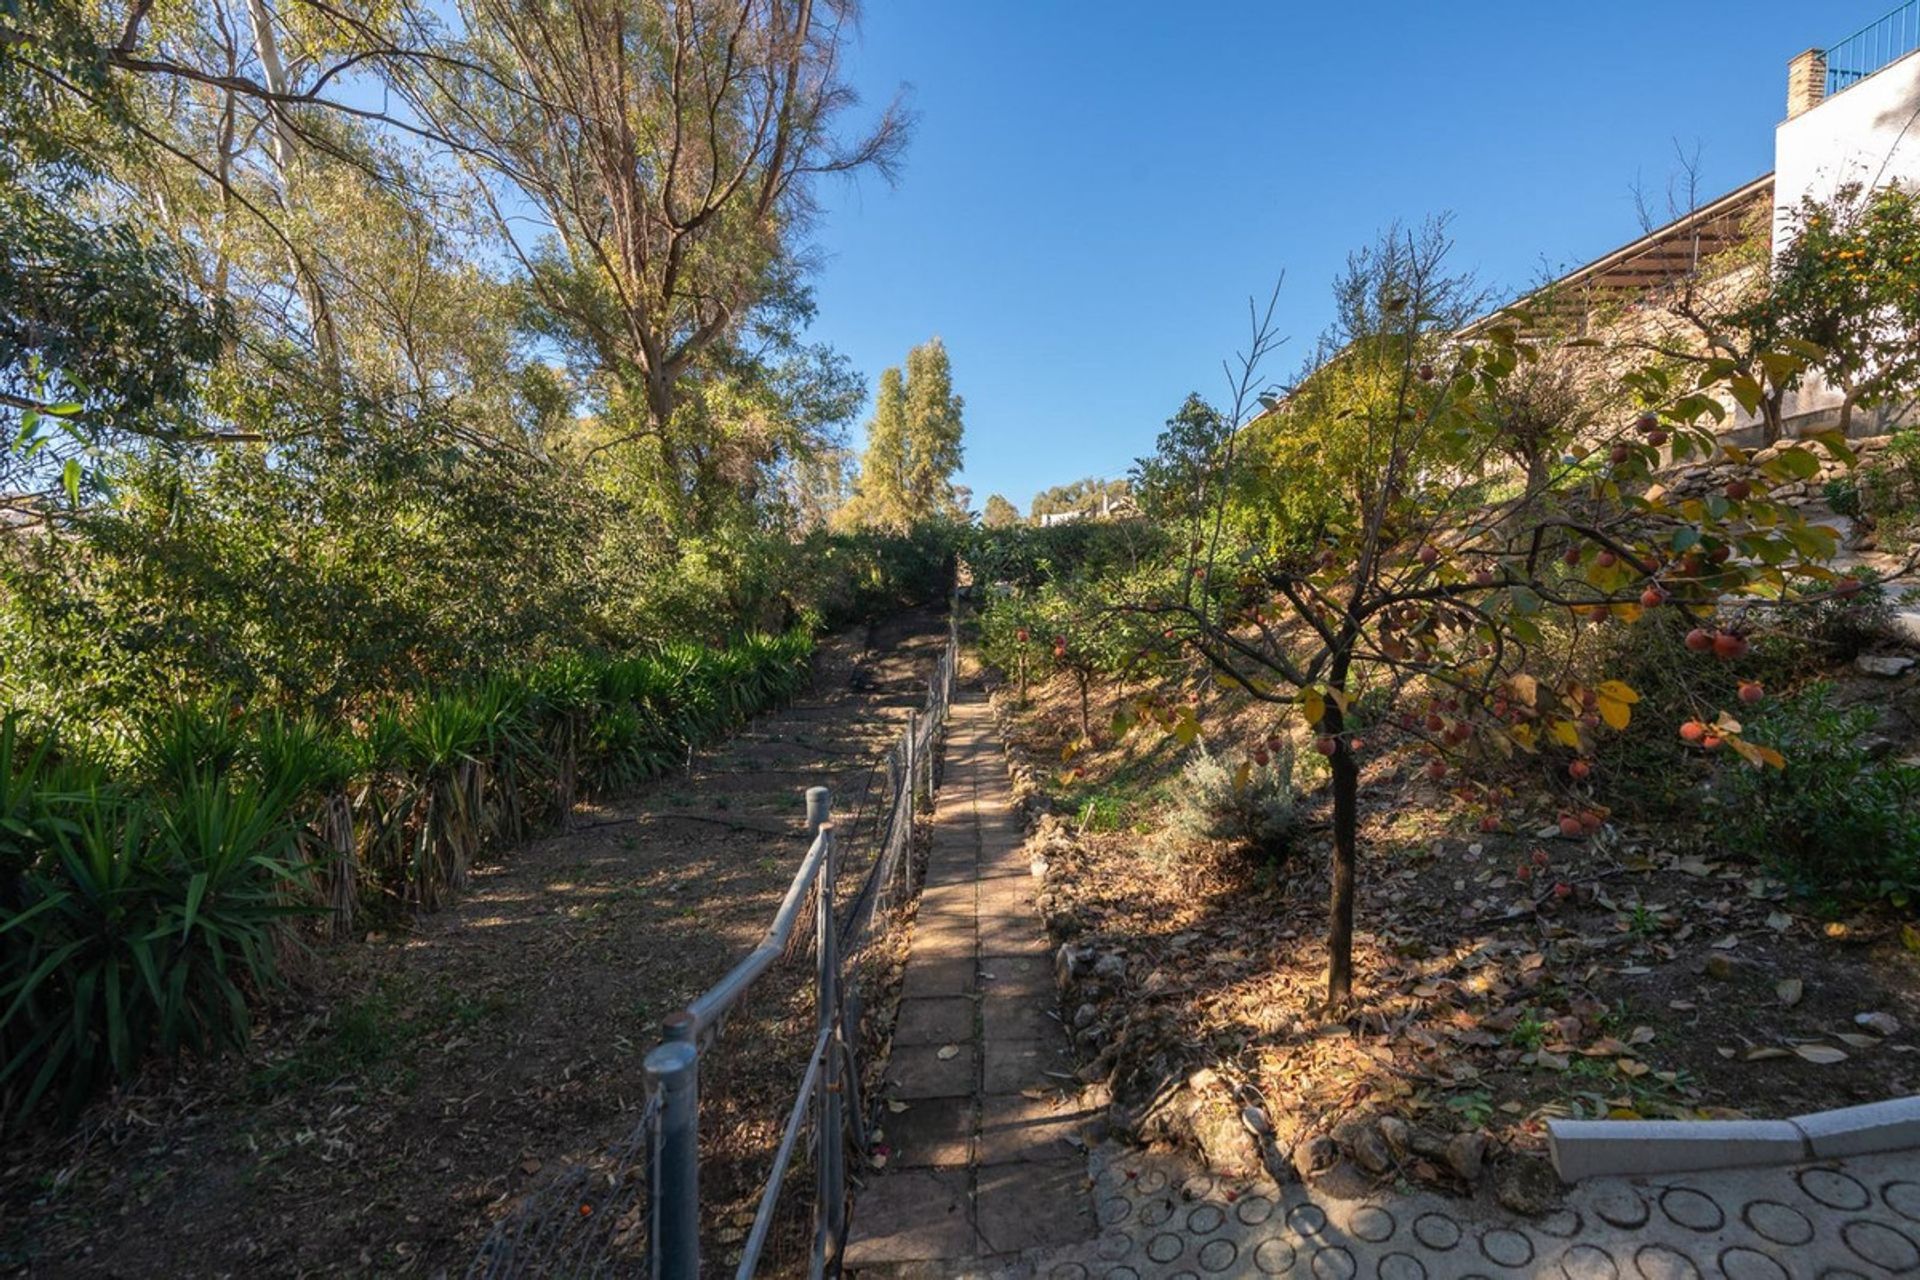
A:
x: 985, y: 1130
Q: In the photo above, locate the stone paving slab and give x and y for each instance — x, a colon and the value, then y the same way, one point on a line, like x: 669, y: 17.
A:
x: 986, y: 1158
x: 1161, y: 1216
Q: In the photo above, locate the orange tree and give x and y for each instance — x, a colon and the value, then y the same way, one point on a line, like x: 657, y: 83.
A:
x: 1413, y: 608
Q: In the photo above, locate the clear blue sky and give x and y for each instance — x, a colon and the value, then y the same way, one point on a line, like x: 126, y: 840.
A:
x: 1094, y: 190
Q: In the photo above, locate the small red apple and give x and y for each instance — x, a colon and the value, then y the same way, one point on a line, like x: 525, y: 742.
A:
x: 1693, y: 731
x: 1540, y: 858
x: 1580, y: 769
x: 1436, y: 769
x: 1738, y: 490
x: 1619, y: 454
x: 1563, y: 890
x: 1653, y: 597
x: 1728, y: 646
x: 1751, y: 691
x: 1606, y: 559
x: 1489, y: 823
x: 1325, y: 745
x: 1711, y: 742
x: 1483, y: 578
x: 1569, y: 825
x: 1572, y: 555
x: 1648, y: 422
x: 1700, y: 640
x: 1426, y: 373
x: 1656, y: 438
x: 1429, y: 554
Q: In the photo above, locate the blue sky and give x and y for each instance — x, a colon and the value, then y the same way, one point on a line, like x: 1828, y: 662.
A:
x: 1094, y: 190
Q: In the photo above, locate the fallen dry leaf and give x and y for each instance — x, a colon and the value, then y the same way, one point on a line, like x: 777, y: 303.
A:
x: 1790, y: 990
x: 948, y: 1051
x: 1824, y: 1054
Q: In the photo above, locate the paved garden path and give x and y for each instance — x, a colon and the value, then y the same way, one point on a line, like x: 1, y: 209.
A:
x: 984, y: 1129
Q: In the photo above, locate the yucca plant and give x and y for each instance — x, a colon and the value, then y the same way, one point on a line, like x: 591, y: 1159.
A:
x: 447, y: 737
x: 303, y: 759
x: 187, y: 743
x: 142, y: 923
x: 566, y: 693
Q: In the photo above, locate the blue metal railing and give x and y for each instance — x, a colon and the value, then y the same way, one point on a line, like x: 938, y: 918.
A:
x: 1872, y: 47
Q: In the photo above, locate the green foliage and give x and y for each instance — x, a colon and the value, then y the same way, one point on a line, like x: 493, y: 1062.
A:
x: 136, y: 925
x: 1837, y: 821
x: 1889, y: 486
x: 913, y: 448
x: 1250, y: 804
x: 999, y: 513
x: 144, y: 902
x: 1848, y: 284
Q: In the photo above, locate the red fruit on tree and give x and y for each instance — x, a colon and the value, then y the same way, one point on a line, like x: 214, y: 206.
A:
x: 1711, y: 742
x: 1738, y: 490
x: 1606, y: 559
x: 1619, y: 454
x: 1720, y: 554
x: 1648, y: 422
x: 1436, y: 769
x: 1693, y: 731
x: 1847, y: 587
x: 1728, y: 646
x: 1023, y: 637
x: 1260, y: 756
x: 1426, y: 373
x: 1563, y: 890
x: 1580, y: 769
x: 1540, y: 858
x: 1572, y: 555
x: 1750, y: 691
x: 1523, y: 872
x: 1489, y: 823
x: 1569, y: 825
x: 1656, y: 438
x: 1429, y: 554
x: 1325, y: 745
x: 1589, y: 821
x: 1434, y: 723
x: 1700, y: 640
x: 1483, y: 578
x: 1653, y: 597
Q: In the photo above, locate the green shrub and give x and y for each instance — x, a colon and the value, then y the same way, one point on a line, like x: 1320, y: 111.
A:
x: 139, y: 924
x: 1836, y: 822
x: 1890, y: 485
x: 1251, y: 804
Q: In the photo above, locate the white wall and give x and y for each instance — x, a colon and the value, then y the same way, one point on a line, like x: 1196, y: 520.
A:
x: 1867, y: 134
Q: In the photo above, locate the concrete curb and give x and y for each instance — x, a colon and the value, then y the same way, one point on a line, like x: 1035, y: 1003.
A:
x: 1614, y: 1148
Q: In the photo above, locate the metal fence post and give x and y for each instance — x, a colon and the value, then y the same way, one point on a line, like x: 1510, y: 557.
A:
x: 674, y: 1068
x: 913, y: 761
x: 830, y: 1190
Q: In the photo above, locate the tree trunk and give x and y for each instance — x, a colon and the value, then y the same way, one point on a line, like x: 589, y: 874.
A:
x: 1086, y: 713
x: 1346, y: 805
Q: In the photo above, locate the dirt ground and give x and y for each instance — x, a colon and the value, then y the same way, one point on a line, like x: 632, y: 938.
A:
x: 425, y: 1084
x: 1672, y: 977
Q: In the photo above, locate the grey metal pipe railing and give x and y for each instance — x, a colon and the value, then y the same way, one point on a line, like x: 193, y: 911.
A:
x: 830, y: 1080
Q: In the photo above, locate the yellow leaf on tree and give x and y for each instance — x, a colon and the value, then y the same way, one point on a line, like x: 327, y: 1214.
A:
x: 1615, y: 713
x: 1567, y: 733
x: 1312, y: 706
x: 1522, y: 734
x: 1618, y: 690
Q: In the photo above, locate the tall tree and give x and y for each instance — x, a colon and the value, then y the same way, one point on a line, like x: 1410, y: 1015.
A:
x: 999, y: 513
x: 671, y: 146
x: 934, y: 432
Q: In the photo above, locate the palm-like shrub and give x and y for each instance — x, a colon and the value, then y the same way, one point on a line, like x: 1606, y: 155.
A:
x: 137, y: 923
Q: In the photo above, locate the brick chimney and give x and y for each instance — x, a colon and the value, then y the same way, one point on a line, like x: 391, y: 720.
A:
x: 1806, y: 82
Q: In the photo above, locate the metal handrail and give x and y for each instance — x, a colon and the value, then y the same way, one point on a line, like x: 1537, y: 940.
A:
x: 1873, y: 47
x: 830, y: 1082
x: 707, y: 1009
